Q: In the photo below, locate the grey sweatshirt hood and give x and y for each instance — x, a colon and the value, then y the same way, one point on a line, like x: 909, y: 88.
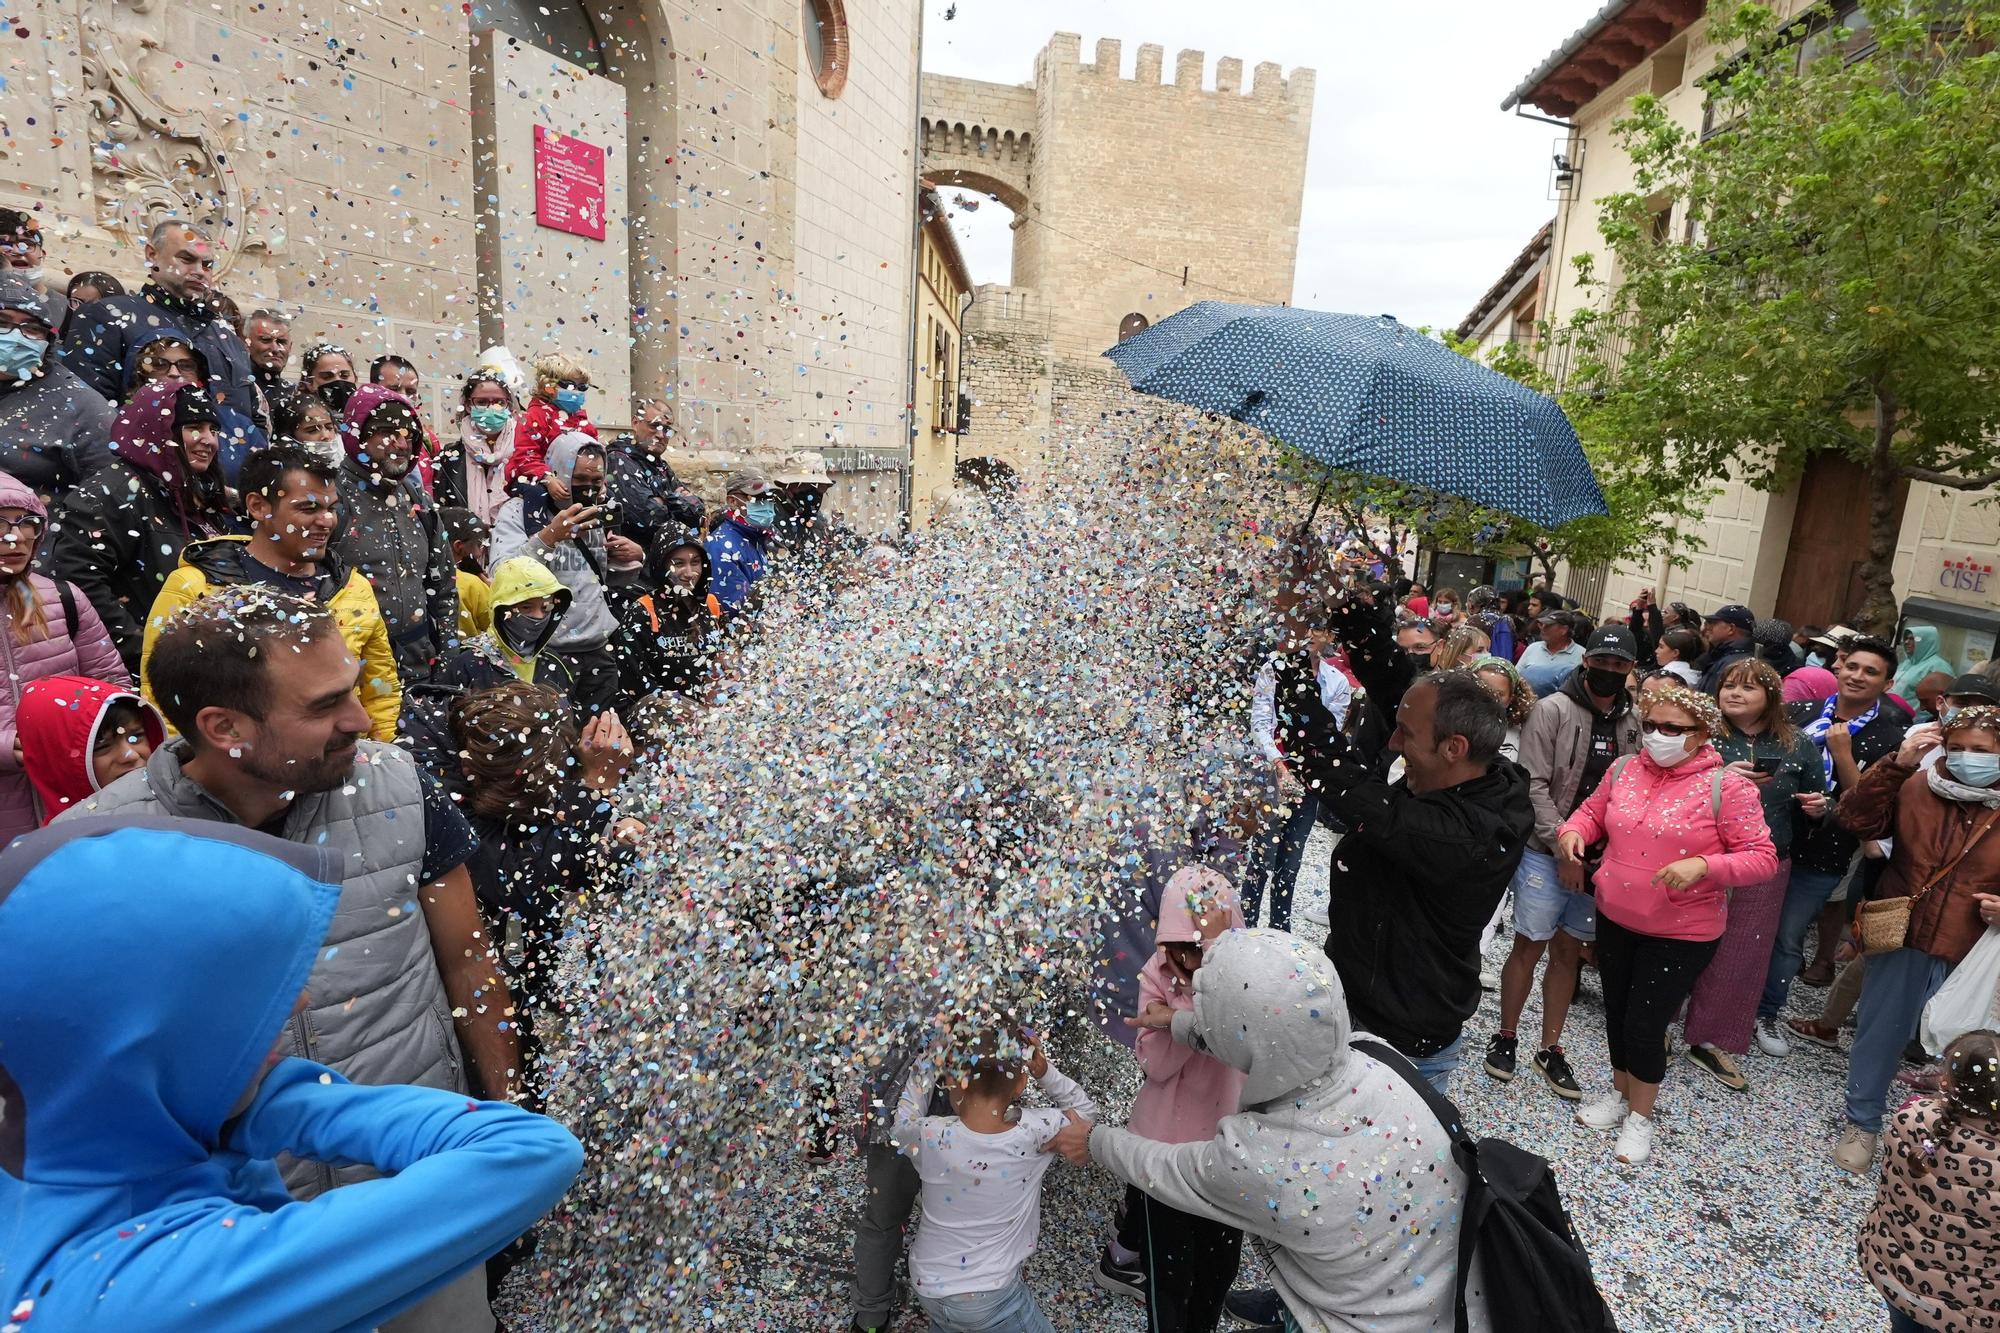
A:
x: 1270, y: 1005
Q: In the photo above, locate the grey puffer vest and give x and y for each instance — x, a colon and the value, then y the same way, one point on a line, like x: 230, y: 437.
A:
x: 378, y: 1011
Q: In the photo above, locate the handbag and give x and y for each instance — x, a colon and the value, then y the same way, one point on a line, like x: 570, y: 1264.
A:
x: 1883, y: 925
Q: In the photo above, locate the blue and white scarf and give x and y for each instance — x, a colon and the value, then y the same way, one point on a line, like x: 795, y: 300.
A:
x: 1817, y: 728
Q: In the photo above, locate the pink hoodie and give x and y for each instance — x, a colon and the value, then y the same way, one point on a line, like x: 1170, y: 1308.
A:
x: 1186, y: 1092
x: 1656, y: 816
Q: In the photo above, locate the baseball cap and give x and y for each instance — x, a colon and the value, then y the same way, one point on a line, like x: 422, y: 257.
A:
x: 1974, y: 686
x: 1734, y: 614
x: 1613, y: 641
x: 746, y: 481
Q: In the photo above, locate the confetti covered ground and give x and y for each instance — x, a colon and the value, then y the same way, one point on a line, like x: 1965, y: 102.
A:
x: 1740, y: 1222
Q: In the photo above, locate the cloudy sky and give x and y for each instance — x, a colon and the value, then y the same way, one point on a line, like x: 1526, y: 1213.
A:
x: 1418, y: 189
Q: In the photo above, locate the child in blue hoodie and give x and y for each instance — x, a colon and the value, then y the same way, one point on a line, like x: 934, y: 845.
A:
x: 142, y: 1102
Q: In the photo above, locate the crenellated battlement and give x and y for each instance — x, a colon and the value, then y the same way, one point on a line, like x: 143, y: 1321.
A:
x: 1269, y: 83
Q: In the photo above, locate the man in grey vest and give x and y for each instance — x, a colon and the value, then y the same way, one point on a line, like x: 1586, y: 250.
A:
x: 261, y: 687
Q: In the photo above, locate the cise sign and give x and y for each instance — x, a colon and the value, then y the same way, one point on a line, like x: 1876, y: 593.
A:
x: 1973, y: 576
x: 569, y: 184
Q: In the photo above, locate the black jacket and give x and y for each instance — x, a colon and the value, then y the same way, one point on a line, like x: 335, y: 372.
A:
x: 1824, y: 846
x: 95, y: 346
x: 1720, y: 659
x: 1418, y: 876
x: 117, y: 537
x: 647, y: 494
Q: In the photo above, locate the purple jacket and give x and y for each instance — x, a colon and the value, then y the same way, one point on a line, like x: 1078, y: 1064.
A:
x: 49, y: 651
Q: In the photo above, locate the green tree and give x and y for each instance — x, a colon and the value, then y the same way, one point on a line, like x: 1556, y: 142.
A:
x: 1837, y: 284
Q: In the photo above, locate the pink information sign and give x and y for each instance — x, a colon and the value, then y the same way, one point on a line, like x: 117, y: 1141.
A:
x: 569, y: 184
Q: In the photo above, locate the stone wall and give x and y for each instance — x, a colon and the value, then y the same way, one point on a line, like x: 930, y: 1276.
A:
x: 1140, y: 195
x: 331, y: 145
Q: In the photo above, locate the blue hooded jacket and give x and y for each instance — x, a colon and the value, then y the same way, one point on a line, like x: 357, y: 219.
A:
x: 135, y: 1011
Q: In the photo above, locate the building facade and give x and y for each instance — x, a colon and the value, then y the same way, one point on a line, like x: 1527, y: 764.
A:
x: 942, y: 284
x: 1132, y: 198
x: 710, y: 204
x: 1794, y: 552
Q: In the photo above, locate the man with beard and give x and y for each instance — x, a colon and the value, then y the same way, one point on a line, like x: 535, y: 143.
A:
x: 391, y: 532
x: 261, y: 687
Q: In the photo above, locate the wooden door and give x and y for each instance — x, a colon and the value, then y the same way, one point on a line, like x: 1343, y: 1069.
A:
x: 1822, y: 579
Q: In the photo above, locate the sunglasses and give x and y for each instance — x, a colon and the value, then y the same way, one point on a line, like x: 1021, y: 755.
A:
x: 1667, y: 729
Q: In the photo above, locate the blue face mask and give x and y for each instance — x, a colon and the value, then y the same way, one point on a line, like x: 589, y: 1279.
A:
x: 761, y: 512
x: 1974, y: 770
x: 20, y: 355
x: 490, y: 420
x: 569, y: 401
x: 1816, y: 659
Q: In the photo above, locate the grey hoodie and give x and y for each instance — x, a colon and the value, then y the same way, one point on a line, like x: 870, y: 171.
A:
x: 1335, y: 1165
x: 590, y: 622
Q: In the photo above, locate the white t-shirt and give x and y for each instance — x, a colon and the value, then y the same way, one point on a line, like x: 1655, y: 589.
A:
x: 982, y: 1192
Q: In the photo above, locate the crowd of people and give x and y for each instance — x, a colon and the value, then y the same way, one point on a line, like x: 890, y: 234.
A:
x: 264, y: 625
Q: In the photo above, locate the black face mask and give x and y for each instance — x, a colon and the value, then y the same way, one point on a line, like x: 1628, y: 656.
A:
x: 1603, y: 683
x: 335, y: 393
x: 520, y: 630
x: 586, y: 495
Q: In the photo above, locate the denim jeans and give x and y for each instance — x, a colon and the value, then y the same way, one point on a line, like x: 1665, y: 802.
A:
x: 1893, y: 995
x: 1011, y: 1309
x: 1438, y: 1069
x: 1902, y: 1323
x: 1280, y: 850
x: 1804, y: 897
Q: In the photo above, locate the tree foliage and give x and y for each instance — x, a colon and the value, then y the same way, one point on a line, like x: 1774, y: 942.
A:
x: 1830, y: 285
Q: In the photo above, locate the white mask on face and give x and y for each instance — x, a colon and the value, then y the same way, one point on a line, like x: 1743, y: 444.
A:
x: 1667, y: 750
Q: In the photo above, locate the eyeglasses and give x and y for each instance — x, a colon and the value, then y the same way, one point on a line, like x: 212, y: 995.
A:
x: 33, y: 328
x: 1666, y: 729
x: 25, y: 523
x: 572, y: 384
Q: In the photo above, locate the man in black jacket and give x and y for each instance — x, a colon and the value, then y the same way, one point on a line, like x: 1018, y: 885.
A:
x: 182, y: 260
x: 1426, y: 858
x: 651, y: 500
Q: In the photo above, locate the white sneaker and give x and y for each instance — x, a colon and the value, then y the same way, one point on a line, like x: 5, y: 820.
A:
x: 1607, y: 1112
x: 1635, y: 1140
x: 1489, y: 979
x: 1771, y: 1038
x: 1313, y: 915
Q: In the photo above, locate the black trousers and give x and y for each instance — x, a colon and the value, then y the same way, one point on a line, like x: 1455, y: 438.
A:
x: 1646, y: 980
x: 1189, y: 1262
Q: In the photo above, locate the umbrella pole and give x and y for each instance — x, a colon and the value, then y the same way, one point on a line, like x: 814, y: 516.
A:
x: 1318, y: 496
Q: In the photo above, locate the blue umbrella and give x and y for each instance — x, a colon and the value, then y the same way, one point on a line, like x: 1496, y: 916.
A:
x: 1370, y: 395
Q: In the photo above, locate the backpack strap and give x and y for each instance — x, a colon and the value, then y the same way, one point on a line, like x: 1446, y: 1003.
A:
x: 652, y: 616
x: 1715, y: 793
x: 1463, y: 1150
x: 68, y: 596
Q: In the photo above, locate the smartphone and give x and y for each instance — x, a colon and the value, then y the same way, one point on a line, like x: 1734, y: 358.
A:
x: 607, y: 515
x: 1766, y: 764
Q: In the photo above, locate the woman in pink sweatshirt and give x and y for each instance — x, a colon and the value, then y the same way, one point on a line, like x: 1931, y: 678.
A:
x: 1677, y: 833
x: 1180, y: 1264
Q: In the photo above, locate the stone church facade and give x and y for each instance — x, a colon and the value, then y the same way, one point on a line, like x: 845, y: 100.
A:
x: 372, y: 170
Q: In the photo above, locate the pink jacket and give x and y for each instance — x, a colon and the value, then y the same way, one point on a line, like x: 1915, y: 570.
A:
x: 1186, y: 1092
x: 49, y: 652
x: 1652, y: 817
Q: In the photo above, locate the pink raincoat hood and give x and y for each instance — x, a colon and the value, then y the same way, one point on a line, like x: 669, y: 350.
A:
x: 16, y: 495
x: 1186, y: 1092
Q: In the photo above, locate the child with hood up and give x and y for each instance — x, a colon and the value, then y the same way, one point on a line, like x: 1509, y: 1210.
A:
x: 1179, y: 1263
x: 79, y: 735
x: 667, y: 639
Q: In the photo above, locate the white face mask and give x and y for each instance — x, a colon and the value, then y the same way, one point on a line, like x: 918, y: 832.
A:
x: 1667, y: 750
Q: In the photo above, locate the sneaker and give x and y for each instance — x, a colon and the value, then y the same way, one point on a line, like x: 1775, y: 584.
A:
x: 1809, y: 1029
x: 1553, y: 1066
x: 1607, y: 1112
x: 1315, y: 916
x: 1856, y: 1150
x: 1256, y: 1305
x: 1118, y: 1279
x: 1501, y: 1056
x: 1718, y: 1065
x: 1771, y: 1038
x: 1488, y: 979
x: 1635, y: 1140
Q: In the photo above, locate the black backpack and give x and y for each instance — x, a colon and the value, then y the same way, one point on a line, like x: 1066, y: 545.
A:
x: 1538, y: 1277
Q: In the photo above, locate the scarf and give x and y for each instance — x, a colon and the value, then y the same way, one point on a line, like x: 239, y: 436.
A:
x: 1817, y: 728
x: 1953, y: 790
x: 486, y: 468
